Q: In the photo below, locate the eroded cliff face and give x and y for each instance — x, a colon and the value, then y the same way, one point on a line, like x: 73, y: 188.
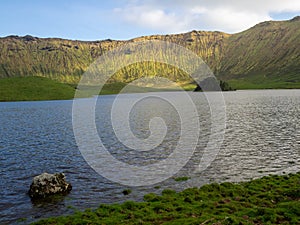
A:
x: 59, y: 59
x: 268, y: 49
x: 208, y: 45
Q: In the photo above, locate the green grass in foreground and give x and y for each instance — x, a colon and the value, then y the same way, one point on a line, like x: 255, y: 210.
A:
x: 269, y: 200
x: 33, y: 88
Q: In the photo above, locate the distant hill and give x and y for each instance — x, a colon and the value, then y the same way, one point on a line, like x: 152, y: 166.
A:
x: 266, y: 55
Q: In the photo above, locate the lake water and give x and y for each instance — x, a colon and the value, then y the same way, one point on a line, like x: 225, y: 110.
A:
x: 262, y: 137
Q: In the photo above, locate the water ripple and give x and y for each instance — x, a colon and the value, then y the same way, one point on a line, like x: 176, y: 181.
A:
x: 262, y: 137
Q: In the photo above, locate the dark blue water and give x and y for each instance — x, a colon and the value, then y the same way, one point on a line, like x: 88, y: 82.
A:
x: 262, y: 137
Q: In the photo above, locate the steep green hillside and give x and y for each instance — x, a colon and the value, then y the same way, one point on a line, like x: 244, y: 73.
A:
x: 66, y: 61
x: 268, y: 54
x: 58, y: 59
x: 264, y: 56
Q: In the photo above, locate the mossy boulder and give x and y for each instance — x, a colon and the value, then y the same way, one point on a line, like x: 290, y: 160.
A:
x: 47, y: 184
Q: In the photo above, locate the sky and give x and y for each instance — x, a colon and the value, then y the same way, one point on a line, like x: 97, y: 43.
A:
x: 126, y: 19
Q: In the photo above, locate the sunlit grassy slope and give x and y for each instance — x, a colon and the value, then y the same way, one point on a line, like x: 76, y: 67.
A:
x: 40, y: 88
x: 33, y: 88
x: 264, y: 56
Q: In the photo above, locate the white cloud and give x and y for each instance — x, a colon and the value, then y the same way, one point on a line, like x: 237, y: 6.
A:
x: 224, y: 15
x: 150, y: 17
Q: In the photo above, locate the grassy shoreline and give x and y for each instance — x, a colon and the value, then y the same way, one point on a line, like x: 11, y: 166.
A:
x: 269, y: 200
x: 33, y: 89
x: 40, y: 88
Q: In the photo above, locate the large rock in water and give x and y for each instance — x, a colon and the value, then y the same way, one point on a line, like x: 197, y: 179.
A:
x: 48, y: 184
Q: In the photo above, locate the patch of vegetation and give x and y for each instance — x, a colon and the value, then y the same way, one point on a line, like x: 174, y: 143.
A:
x: 269, y: 200
x: 116, y: 87
x: 178, y: 179
x: 41, y: 88
x: 21, y: 220
x: 126, y: 191
x: 259, y: 83
x: 33, y: 88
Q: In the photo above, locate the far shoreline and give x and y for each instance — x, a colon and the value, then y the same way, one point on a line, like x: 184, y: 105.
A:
x: 165, y: 91
x: 19, y: 89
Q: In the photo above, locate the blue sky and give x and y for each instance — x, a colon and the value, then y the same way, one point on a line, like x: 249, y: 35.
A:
x: 125, y: 19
